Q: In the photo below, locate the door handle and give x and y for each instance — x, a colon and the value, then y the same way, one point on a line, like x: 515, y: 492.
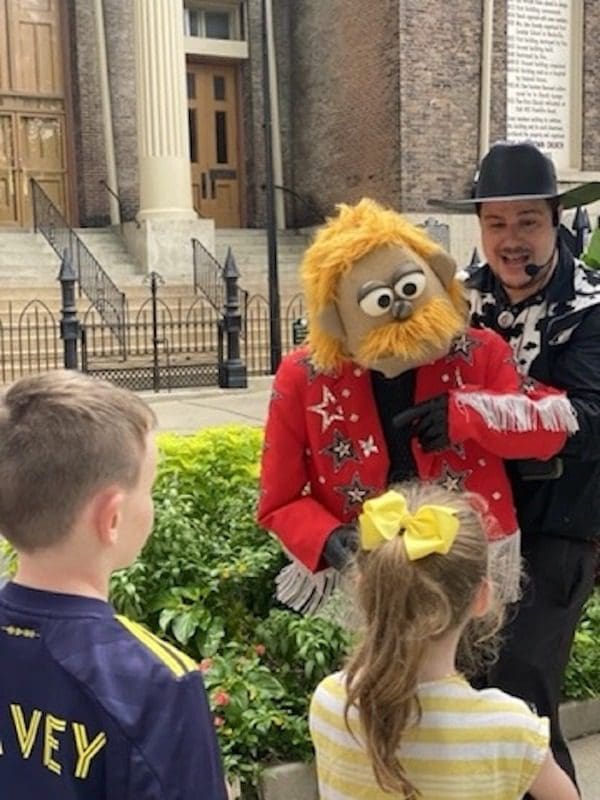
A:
x: 203, y: 185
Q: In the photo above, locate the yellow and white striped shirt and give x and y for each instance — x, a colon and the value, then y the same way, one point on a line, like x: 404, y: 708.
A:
x: 469, y: 745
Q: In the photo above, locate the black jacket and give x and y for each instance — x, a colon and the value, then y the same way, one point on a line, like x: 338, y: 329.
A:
x: 564, y: 352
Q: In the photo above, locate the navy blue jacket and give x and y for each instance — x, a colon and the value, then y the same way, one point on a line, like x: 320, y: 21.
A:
x: 94, y: 706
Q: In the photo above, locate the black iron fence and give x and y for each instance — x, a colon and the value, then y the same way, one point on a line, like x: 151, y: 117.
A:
x: 29, y: 340
x: 94, y: 282
x: 256, y: 345
x: 183, y: 335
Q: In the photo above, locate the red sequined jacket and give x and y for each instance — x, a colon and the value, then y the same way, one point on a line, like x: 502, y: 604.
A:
x: 325, y: 452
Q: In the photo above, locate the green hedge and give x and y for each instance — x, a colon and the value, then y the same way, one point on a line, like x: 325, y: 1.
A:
x: 582, y: 676
x: 205, y: 581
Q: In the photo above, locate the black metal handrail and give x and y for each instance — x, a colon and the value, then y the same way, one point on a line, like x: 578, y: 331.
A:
x: 208, y: 276
x: 117, y: 198
x: 210, y: 281
x: 309, y: 204
x: 94, y: 281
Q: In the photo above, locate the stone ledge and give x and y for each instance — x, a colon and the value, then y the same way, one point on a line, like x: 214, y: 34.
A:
x: 289, y: 782
x: 580, y: 718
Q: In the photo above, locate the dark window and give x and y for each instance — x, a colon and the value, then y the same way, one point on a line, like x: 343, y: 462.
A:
x: 221, y: 131
x: 193, y: 140
x: 219, y: 87
x: 194, y: 23
x: 191, y: 85
x: 217, y: 25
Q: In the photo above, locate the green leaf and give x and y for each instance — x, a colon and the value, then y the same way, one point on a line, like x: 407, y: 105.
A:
x: 184, y: 627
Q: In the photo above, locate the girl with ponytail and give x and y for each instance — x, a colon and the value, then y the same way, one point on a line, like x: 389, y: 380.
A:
x: 401, y: 721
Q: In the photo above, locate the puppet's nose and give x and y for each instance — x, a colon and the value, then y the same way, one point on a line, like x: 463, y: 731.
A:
x: 402, y: 309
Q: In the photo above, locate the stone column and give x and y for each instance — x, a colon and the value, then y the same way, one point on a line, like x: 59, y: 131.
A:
x: 163, y: 145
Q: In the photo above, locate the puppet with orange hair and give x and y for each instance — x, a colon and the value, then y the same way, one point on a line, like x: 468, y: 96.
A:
x: 392, y: 385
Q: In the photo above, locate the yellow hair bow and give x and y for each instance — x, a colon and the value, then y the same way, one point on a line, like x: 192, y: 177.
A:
x: 432, y: 529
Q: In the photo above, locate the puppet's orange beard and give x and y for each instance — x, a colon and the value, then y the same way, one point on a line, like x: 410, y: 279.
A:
x: 425, y: 335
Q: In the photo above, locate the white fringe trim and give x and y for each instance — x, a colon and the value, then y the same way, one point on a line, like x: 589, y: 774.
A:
x: 329, y: 594
x: 520, y: 413
x: 506, y: 567
x: 303, y: 590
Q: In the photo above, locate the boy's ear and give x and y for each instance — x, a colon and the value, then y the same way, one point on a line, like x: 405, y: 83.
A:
x: 107, y: 514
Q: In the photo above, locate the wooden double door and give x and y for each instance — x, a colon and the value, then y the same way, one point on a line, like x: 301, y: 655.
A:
x: 32, y: 108
x: 214, y: 141
x: 32, y: 145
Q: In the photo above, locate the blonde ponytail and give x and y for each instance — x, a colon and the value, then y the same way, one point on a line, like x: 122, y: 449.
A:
x: 406, y: 604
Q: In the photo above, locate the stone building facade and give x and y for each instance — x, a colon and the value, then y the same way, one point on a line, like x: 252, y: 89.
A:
x: 381, y: 99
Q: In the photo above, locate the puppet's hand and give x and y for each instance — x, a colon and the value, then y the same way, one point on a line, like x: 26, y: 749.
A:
x: 429, y: 423
x: 340, y: 546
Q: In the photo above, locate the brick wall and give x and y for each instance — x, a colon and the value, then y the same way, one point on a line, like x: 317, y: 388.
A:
x: 384, y: 104
x: 498, y: 88
x: 89, y: 139
x: 345, y: 100
x: 90, y: 152
x: 118, y: 22
x: 440, y: 66
x: 252, y: 116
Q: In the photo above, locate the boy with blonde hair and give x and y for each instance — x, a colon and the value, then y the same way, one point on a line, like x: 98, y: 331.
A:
x: 92, y: 705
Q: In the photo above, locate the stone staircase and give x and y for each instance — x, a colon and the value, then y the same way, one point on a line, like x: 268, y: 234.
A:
x: 249, y: 248
x: 30, y: 296
x: 26, y: 259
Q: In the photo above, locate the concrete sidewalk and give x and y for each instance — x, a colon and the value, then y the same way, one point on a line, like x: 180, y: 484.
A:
x: 189, y: 410
x: 586, y: 755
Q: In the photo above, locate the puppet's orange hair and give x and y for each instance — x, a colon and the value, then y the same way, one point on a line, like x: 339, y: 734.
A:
x: 346, y: 238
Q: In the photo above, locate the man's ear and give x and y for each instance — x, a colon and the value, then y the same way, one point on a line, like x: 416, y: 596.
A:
x: 329, y: 320
x: 444, y: 267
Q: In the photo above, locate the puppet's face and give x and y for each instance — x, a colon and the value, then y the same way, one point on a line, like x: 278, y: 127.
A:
x: 394, y: 311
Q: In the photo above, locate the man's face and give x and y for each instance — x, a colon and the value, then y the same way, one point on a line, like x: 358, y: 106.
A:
x: 515, y: 233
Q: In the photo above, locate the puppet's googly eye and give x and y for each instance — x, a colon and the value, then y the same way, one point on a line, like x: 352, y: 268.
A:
x: 378, y: 301
x: 411, y: 285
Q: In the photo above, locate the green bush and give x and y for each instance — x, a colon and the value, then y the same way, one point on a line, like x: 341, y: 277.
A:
x: 591, y: 255
x: 205, y: 581
x: 582, y: 677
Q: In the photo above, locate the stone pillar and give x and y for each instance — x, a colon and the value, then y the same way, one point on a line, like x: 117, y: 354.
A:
x: 163, y: 145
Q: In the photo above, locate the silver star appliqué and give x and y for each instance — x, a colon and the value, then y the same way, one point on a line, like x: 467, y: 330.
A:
x: 453, y: 480
x: 341, y: 450
x: 368, y: 446
x: 528, y: 384
x: 309, y: 367
x: 328, y: 409
x: 462, y: 347
x: 355, y: 493
x: 459, y: 449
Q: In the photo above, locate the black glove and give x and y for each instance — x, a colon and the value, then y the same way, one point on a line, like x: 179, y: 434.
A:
x: 340, y: 546
x: 429, y: 423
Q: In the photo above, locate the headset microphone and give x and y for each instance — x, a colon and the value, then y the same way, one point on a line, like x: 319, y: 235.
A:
x: 533, y: 270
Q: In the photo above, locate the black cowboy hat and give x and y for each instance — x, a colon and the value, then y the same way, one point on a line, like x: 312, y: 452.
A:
x: 519, y: 171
